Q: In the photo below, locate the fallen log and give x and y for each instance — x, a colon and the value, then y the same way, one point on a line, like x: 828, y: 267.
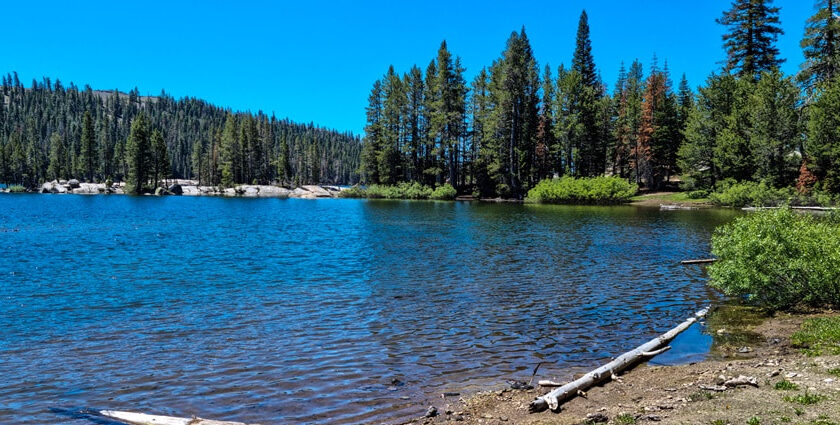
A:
x: 700, y: 261
x: 606, y: 372
x: 144, y: 419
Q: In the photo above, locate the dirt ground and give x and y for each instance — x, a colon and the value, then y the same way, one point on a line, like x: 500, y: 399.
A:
x: 675, y: 394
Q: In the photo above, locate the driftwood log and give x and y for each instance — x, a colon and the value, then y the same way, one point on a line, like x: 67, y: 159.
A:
x: 144, y: 419
x: 700, y: 261
x: 608, y: 371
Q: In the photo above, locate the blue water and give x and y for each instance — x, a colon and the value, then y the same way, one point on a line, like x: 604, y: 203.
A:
x: 329, y: 311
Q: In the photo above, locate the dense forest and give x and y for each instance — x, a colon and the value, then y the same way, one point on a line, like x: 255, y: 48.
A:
x: 49, y: 131
x: 515, y: 125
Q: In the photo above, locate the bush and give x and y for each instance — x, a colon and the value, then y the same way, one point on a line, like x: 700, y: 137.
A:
x: 755, y: 194
x: 697, y: 194
x: 778, y: 259
x: 353, y: 192
x: 446, y: 192
x: 16, y: 188
x: 593, y: 190
x: 403, y: 190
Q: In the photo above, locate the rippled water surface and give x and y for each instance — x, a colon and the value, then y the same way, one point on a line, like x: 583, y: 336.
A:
x: 329, y: 311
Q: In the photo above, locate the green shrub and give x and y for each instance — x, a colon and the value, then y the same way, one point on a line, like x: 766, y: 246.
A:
x: 755, y: 194
x: 697, y: 194
x: 444, y: 192
x: 818, y: 336
x: 402, y: 190
x: 592, y: 190
x: 16, y: 188
x: 353, y: 192
x: 779, y: 259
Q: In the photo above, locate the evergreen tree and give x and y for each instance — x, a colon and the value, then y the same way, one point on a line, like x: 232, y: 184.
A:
x: 822, y: 152
x: 229, y: 155
x: 821, y: 45
x: 160, y: 157
x: 752, y: 29
x: 544, y: 160
x: 373, y: 136
x: 137, y: 153
x: 775, y: 129
x: 56, y: 169
x: 88, y: 155
x: 591, y: 159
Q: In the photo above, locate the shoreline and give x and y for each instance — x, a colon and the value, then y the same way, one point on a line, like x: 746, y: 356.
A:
x: 688, y: 393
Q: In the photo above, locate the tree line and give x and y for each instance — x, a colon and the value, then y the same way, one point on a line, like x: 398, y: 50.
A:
x: 513, y: 125
x: 49, y: 131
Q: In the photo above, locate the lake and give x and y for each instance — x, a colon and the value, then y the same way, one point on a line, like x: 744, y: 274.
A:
x: 328, y: 311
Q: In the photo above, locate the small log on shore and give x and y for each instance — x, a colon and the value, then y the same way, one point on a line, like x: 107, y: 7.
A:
x: 606, y: 372
x: 144, y: 419
x: 700, y: 261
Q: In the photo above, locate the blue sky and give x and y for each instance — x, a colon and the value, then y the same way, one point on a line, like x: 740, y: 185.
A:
x: 316, y: 60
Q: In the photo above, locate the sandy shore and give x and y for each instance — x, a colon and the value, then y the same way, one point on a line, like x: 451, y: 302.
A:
x: 681, y: 394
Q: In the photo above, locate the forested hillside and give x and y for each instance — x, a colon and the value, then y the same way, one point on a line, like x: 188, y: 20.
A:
x: 517, y: 123
x: 49, y: 131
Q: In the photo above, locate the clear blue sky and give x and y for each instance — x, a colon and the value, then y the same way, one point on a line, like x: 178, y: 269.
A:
x: 316, y: 60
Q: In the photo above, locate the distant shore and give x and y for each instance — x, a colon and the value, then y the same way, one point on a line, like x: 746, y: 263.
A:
x: 181, y: 187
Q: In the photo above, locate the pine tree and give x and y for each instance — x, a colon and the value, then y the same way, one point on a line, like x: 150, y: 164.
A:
x: 56, y: 170
x: 775, y: 129
x: 137, y: 153
x: 705, y: 124
x: 160, y: 157
x: 393, y: 105
x: 373, y: 136
x: 752, y: 29
x: 821, y: 45
x: 822, y: 152
x: 88, y: 154
x: 229, y: 153
x: 544, y: 160
x: 590, y: 160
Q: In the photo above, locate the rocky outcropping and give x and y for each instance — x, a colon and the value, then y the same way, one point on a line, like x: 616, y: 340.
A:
x: 192, y: 188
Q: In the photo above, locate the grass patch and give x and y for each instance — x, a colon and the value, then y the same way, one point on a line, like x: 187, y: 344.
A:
x: 16, y: 188
x: 585, y: 190
x: 625, y: 419
x: 819, y: 336
x: 835, y: 371
x: 697, y: 196
x: 786, y: 385
x: 700, y: 396
x: 754, y: 421
x: 805, y: 399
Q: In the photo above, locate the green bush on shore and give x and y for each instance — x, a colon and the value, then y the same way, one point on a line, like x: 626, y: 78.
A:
x: 403, y: 190
x: 444, y: 192
x: 16, y: 188
x: 586, y: 190
x: 779, y: 259
x: 761, y: 194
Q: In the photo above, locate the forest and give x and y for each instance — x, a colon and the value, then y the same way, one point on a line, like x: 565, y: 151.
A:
x: 49, y: 131
x: 516, y: 124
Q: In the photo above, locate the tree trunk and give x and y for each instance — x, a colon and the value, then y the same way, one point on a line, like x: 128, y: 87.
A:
x: 606, y: 372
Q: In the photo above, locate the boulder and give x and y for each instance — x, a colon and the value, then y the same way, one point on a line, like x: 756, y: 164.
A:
x: 273, y: 192
x: 74, y: 184
x: 47, y: 187
x: 191, y: 191
x: 176, y: 189
x: 160, y: 191
x: 229, y: 192
x: 318, y: 191
x: 59, y: 188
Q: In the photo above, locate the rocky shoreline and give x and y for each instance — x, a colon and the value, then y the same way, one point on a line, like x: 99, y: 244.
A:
x: 192, y: 188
